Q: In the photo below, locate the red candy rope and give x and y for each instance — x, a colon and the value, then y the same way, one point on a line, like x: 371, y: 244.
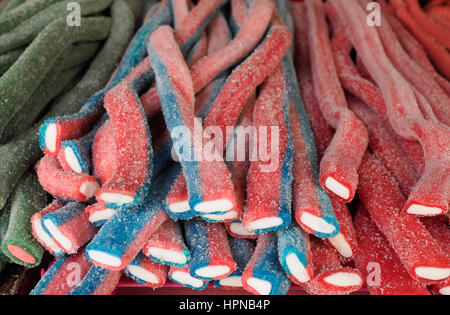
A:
x: 62, y: 184
x: 341, y: 160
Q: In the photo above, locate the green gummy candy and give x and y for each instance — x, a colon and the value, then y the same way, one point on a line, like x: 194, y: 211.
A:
x: 27, y: 198
x: 8, y: 59
x: 21, y: 80
x: 12, y: 4
x: 24, y: 33
x: 23, y: 151
x: 18, y: 11
x: 4, y: 221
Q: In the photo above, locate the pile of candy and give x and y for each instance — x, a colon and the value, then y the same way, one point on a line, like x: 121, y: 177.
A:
x: 362, y: 116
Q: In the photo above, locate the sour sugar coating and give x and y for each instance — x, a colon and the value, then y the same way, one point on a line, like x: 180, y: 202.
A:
x: 18, y: 243
x: 331, y: 278
x: 237, y: 230
x: 242, y: 251
x: 177, y: 96
x: 98, y: 214
x: 63, y: 275
x: 23, y: 151
x: 167, y: 245
x: 69, y: 226
x: 340, y: 162
x: 264, y: 274
x: 57, y: 129
x: 104, y: 153
x: 210, y: 251
x: 412, y: 72
x: 183, y: 276
x: 52, y: 40
x: 312, y: 206
x: 75, y: 155
x: 379, y: 263
x: 41, y: 234
x: 130, y: 180
x: 113, y: 249
x: 4, y: 222
x: 419, y: 252
x: 97, y: 281
x: 430, y: 195
x: 268, y: 205
x: 147, y: 272
x: 62, y: 184
x: 294, y: 254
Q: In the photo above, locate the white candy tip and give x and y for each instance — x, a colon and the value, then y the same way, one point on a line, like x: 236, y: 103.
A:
x: 263, y: 287
x: 230, y: 215
x: 89, y: 188
x: 316, y: 223
x: 179, y: 207
x: 118, y: 199
x: 337, y: 188
x: 65, y: 242
x: 265, y: 223
x: 212, y: 272
x: 72, y: 160
x: 432, y: 273
x: 187, y: 279
x: 104, y: 258
x: 44, y: 237
x: 50, y: 137
x: 344, y: 279
x: 219, y: 205
x: 166, y: 255
x: 423, y: 210
x: 342, y: 246
x: 102, y: 215
x: 143, y: 274
x: 297, y: 269
x: 445, y: 290
x: 233, y: 281
x: 238, y: 229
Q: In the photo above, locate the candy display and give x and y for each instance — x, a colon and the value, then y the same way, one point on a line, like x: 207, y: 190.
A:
x: 267, y: 147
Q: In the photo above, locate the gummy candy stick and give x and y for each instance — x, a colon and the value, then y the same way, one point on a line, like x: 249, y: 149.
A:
x: 421, y: 255
x: 75, y: 155
x: 98, y: 214
x: 384, y: 146
x: 340, y: 162
x: 69, y: 226
x: 62, y: 184
x: 229, y: 103
x: 180, y: 12
x: 331, y: 278
x: 130, y: 180
x: 97, y: 281
x: 236, y: 230
x: 4, y: 222
x: 268, y: 205
x: 63, y: 275
x: 103, y: 153
x: 251, y: 31
x: 379, y: 263
x: 177, y: 100
x: 312, y: 206
x: 211, y: 256
x: 264, y: 274
x: 18, y: 243
x: 239, y: 10
x: 183, y: 277
x: 294, y: 254
x: 26, y: 32
x: 435, y: 50
x: 430, y: 195
x: 40, y: 234
x: 418, y: 77
x: 242, y: 251
x: 57, y: 35
x: 55, y: 130
x: 442, y: 288
x: 22, y: 152
x: 113, y: 249
x: 8, y: 59
x: 147, y: 272
x: 167, y: 246
x: 19, y: 12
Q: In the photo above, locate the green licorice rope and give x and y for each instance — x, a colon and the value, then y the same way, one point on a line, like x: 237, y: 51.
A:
x: 20, y: 10
x: 25, y: 75
x: 27, y: 198
x: 11, y: 5
x: 4, y: 221
x: 24, y: 33
x: 22, y: 152
x: 8, y: 59
x: 68, y: 66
